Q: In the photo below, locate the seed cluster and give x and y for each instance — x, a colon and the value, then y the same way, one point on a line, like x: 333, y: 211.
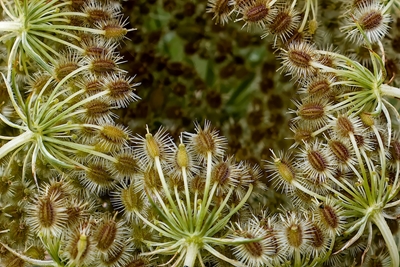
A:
x: 78, y: 189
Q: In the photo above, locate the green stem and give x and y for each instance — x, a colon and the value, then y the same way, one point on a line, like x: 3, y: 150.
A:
x: 390, y: 90
x: 191, y: 255
x: 10, y: 26
x: 16, y: 143
x: 391, y: 245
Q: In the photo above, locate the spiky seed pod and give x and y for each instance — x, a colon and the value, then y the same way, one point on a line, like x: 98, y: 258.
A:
x: 105, y: 64
x: 283, y: 24
x: 125, y: 164
x: 97, y: 178
x: 112, y: 138
x: 109, y: 235
x: 250, y: 175
x: 66, y: 64
x: 152, y: 147
x: 312, y: 112
x: 221, y: 10
x: 316, y: 162
x: 97, y: 111
x: 47, y: 215
x: 294, y: 233
x: 113, y: 29
x: 140, y: 232
x: 197, y: 184
x: 120, y: 90
x: 58, y: 187
x: 253, y: 254
x: 97, y: 46
x: 318, y: 86
x: 319, y: 240
x: 37, y: 81
x: 120, y: 256
x: 79, y: 245
x: 345, y: 125
x: 298, y: 59
x: 19, y: 232
x: 129, y: 199
x: 301, y: 134
x: 282, y: 171
x: 206, y: 141
x: 342, y: 152
x: 151, y: 181
x: 97, y: 12
x: 256, y: 12
x: 330, y: 216
x: 77, y: 210
x: 367, y: 119
x: 373, y: 21
x: 91, y: 84
x: 225, y: 174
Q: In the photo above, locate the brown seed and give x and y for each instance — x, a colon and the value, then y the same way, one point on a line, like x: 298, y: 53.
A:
x: 101, y: 65
x: 255, y: 249
x: 96, y: 51
x: 395, y: 150
x: 221, y: 173
x: 97, y: 110
x: 301, y: 135
x: 329, y: 216
x: 99, y: 175
x: 311, y: 111
x: 93, y: 87
x: 371, y: 20
x: 126, y: 164
x: 299, y: 58
x: 61, y: 71
x: 281, y: 24
x: 319, y: 87
x: 47, y: 213
x: 106, y: 234
x: 344, y: 126
x: 256, y: 12
x: 340, y: 151
x: 95, y: 15
x: 317, y: 161
x: 294, y: 235
x: 318, y: 237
